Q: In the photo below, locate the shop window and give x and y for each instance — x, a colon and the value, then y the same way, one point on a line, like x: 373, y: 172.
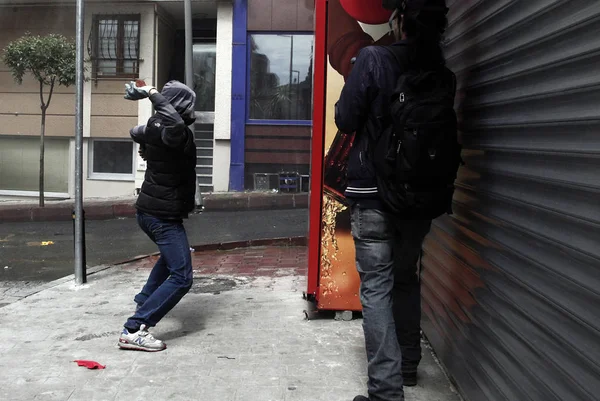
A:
x: 280, y: 82
x: 111, y: 159
x: 114, y: 46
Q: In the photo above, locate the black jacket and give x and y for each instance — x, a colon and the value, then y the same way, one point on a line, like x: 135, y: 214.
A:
x: 167, y: 144
x: 364, y: 108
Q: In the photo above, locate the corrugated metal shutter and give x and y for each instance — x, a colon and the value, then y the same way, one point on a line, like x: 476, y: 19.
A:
x: 511, y: 281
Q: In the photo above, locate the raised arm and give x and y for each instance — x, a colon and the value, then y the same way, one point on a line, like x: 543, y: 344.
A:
x: 173, y: 133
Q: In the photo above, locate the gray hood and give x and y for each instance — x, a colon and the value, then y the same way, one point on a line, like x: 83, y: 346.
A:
x: 182, y: 98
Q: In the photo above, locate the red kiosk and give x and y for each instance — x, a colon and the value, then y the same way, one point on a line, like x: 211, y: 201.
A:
x: 342, y: 28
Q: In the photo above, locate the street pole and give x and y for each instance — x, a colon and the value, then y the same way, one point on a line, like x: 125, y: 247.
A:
x: 79, y: 218
x: 189, y: 45
x: 291, y: 74
x: 291, y: 62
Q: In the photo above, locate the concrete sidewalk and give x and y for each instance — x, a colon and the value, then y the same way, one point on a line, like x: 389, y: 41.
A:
x: 110, y: 208
x: 240, y: 334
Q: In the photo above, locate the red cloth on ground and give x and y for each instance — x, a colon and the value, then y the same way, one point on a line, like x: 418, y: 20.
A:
x: 89, y: 364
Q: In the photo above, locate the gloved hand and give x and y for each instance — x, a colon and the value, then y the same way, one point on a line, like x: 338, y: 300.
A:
x: 134, y: 92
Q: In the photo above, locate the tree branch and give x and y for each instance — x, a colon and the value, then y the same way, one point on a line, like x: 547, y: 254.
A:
x: 42, y: 104
x: 51, y: 91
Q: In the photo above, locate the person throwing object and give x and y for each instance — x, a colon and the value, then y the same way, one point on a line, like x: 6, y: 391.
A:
x: 166, y: 198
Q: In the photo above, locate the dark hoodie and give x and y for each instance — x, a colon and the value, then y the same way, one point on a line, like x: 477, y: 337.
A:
x: 168, y: 146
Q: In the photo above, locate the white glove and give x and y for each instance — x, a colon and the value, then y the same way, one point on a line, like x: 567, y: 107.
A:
x: 133, y: 92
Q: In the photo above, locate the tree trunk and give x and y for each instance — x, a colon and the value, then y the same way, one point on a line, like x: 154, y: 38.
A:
x: 43, y: 130
x: 44, y: 107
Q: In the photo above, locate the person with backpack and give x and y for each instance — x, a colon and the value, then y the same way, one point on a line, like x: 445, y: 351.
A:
x: 166, y: 198
x: 401, y: 169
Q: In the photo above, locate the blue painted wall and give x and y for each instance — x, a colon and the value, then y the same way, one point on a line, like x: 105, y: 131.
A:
x: 238, y: 94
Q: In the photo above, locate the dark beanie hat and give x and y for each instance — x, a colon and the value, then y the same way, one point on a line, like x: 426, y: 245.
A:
x: 415, y: 7
x: 429, y: 14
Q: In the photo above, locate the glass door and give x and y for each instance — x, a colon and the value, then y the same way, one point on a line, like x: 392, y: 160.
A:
x: 205, y: 62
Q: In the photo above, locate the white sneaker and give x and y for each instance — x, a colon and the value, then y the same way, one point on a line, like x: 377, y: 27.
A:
x: 141, y: 340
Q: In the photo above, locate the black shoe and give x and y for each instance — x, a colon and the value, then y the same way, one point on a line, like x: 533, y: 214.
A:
x: 360, y: 398
x: 409, y: 379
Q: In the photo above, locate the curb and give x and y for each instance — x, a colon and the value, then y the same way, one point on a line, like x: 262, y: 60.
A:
x: 227, y: 246
x: 112, y: 209
x: 223, y: 246
x: 51, y: 284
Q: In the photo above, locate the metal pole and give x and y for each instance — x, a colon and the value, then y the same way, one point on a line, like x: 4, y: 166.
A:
x: 291, y: 60
x: 291, y: 73
x: 189, y: 45
x: 79, y: 218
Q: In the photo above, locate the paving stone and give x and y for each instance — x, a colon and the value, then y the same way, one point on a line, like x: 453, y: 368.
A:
x: 263, y: 393
x: 249, y: 342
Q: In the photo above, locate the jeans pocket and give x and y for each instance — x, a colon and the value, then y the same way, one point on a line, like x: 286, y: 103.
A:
x: 373, y: 224
x: 152, y: 226
x: 355, y: 214
x: 155, y: 227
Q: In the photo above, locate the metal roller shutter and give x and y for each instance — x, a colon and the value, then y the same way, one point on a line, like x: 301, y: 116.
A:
x: 511, y: 281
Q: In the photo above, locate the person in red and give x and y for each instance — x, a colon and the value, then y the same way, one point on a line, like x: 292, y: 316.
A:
x: 345, y: 38
x: 388, y: 245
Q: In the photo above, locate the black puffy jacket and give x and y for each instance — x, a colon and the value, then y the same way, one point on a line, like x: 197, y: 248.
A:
x: 167, y: 144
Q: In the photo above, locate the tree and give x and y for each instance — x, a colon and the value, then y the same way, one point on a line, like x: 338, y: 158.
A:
x: 51, y: 61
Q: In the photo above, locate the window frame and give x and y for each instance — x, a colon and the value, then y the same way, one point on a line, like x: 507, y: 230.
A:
x: 111, y: 176
x: 94, y: 45
x: 272, y: 122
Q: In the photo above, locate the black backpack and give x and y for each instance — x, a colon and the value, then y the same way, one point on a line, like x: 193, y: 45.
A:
x: 417, y: 155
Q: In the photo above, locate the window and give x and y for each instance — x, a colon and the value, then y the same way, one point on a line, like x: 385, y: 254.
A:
x: 20, y: 171
x: 281, y: 77
x: 110, y: 159
x: 114, y: 46
x: 205, y: 65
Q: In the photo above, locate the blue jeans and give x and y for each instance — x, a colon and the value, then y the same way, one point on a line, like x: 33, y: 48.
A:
x: 388, y: 252
x: 171, y: 277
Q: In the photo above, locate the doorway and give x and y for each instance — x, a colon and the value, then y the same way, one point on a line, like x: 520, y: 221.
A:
x: 205, y: 62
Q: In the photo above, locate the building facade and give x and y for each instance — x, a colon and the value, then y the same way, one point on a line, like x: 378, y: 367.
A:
x: 252, y: 68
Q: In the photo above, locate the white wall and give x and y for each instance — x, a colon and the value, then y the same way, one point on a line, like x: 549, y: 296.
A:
x: 222, y: 148
x: 147, y: 45
x: 103, y: 188
x: 95, y: 188
x: 72, y: 165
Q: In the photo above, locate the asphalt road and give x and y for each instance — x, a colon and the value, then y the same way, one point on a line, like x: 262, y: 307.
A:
x: 43, y: 251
